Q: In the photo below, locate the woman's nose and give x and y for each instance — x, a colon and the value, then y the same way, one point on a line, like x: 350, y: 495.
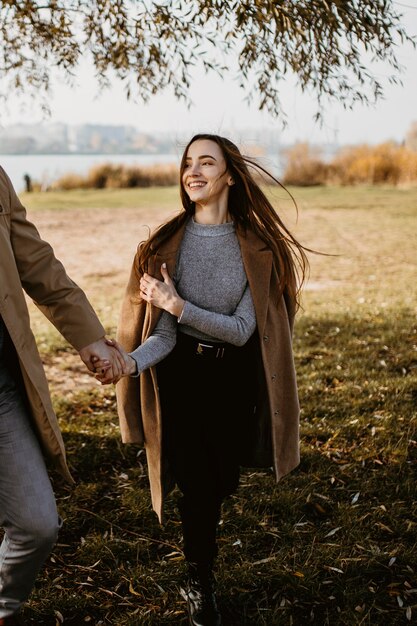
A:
x: 194, y: 169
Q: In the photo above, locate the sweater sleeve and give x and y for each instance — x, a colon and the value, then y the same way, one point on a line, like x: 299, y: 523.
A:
x: 235, y: 329
x: 158, y: 345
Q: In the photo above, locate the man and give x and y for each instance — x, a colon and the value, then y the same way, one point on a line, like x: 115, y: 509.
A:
x: 29, y: 430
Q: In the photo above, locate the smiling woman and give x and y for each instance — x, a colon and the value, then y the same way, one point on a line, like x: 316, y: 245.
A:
x: 206, y: 180
x: 206, y: 335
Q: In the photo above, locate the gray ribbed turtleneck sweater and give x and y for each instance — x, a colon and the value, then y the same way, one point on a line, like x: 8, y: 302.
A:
x: 210, y: 277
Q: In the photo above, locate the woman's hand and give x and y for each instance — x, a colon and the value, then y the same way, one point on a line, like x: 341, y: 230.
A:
x: 100, y: 350
x: 161, y: 293
x: 101, y: 366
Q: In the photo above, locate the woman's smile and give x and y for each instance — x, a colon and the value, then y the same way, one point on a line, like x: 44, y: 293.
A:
x: 196, y: 184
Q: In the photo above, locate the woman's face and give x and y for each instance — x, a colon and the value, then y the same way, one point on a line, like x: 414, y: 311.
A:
x: 205, y: 177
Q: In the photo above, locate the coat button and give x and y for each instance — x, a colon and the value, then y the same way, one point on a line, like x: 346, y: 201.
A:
x: 273, y: 377
x: 276, y: 412
x: 266, y: 338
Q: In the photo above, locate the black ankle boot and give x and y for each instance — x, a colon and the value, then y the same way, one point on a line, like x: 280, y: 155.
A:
x: 200, y: 596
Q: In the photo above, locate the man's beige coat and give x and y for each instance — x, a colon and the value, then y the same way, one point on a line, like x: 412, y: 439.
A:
x: 276, y: 443
x: 29, y: 262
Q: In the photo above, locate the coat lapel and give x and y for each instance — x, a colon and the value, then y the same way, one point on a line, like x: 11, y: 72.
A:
x: 257, y: 261
x: 167, y: 253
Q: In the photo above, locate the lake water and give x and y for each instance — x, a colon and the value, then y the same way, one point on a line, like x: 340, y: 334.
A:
x: 45, y: 168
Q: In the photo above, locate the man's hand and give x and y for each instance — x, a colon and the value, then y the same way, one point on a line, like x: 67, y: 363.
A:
x: 161, y: 293
x: 130, y: 367
x: 101, y: 350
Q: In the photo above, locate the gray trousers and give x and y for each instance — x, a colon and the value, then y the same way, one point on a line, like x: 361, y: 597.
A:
x: 28, y: 512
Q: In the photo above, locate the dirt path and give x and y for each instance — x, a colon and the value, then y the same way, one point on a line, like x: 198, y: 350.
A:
x: 97, y: 243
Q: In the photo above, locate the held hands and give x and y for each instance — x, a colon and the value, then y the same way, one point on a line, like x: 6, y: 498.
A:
x: 102, y: 350
x: 161, y: 294
x: 106, y: 357
x: 103, y: 368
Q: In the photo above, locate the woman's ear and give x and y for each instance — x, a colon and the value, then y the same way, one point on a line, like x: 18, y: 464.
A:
x: 230, y: 182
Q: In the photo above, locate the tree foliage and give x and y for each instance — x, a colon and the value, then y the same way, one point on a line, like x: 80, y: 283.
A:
x: 153, y: 45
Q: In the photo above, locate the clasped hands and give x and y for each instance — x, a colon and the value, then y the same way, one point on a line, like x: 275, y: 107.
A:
x: 106, y: 357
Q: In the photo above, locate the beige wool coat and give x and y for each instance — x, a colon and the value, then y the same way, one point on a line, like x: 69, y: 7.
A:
x: 29, y: 262
x: 276, y: 443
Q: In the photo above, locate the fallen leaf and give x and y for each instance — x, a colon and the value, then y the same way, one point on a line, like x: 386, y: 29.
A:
x: 131, y: 589
x: 270, y: 558
x: 355, y: 498
x: 335, y: 569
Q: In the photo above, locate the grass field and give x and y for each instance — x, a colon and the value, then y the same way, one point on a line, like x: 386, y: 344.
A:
x: 335, y: 542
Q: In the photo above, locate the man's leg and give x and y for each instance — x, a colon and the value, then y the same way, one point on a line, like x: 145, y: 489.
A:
x: 28, y: 511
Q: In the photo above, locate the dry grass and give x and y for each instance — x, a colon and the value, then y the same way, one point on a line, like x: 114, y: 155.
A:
x: 387, y: 163
x: 304, y: 166
x: 111, y: 176
x: 335, y: 542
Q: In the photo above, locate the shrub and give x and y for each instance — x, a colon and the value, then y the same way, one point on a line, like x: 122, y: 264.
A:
x: 106, y: 175
x: 109, y: 175
x: 304, y: 166
x: 385, y: 163
x: 151, y: 176
x: 69, y: 181
x: 388, y: 163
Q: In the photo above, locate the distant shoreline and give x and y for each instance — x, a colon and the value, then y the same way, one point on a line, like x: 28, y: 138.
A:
x: 46, y: 168
x: 110, y: 154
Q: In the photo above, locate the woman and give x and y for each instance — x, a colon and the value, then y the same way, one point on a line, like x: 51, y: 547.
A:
x: 212, y: 349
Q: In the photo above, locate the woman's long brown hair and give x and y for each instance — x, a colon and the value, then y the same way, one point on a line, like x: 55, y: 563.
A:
x: 249, y: 209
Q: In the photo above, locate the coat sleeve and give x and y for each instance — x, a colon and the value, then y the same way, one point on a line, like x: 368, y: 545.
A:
x: 45, y: 280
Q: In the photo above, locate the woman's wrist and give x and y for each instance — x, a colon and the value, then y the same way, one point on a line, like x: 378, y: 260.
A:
x: 133, y: 366
x: 177, y: 307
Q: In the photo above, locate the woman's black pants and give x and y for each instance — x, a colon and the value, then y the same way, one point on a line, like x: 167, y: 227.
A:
x: 207, y: 393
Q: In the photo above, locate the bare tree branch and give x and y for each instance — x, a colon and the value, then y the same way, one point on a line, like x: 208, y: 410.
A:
x: 152, y: 45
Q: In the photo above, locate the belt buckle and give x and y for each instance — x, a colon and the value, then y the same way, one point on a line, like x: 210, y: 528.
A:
x: 201, y: 346
x: 219, y: 354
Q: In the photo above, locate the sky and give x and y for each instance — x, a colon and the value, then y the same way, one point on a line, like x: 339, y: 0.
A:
x: 219, y: 106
